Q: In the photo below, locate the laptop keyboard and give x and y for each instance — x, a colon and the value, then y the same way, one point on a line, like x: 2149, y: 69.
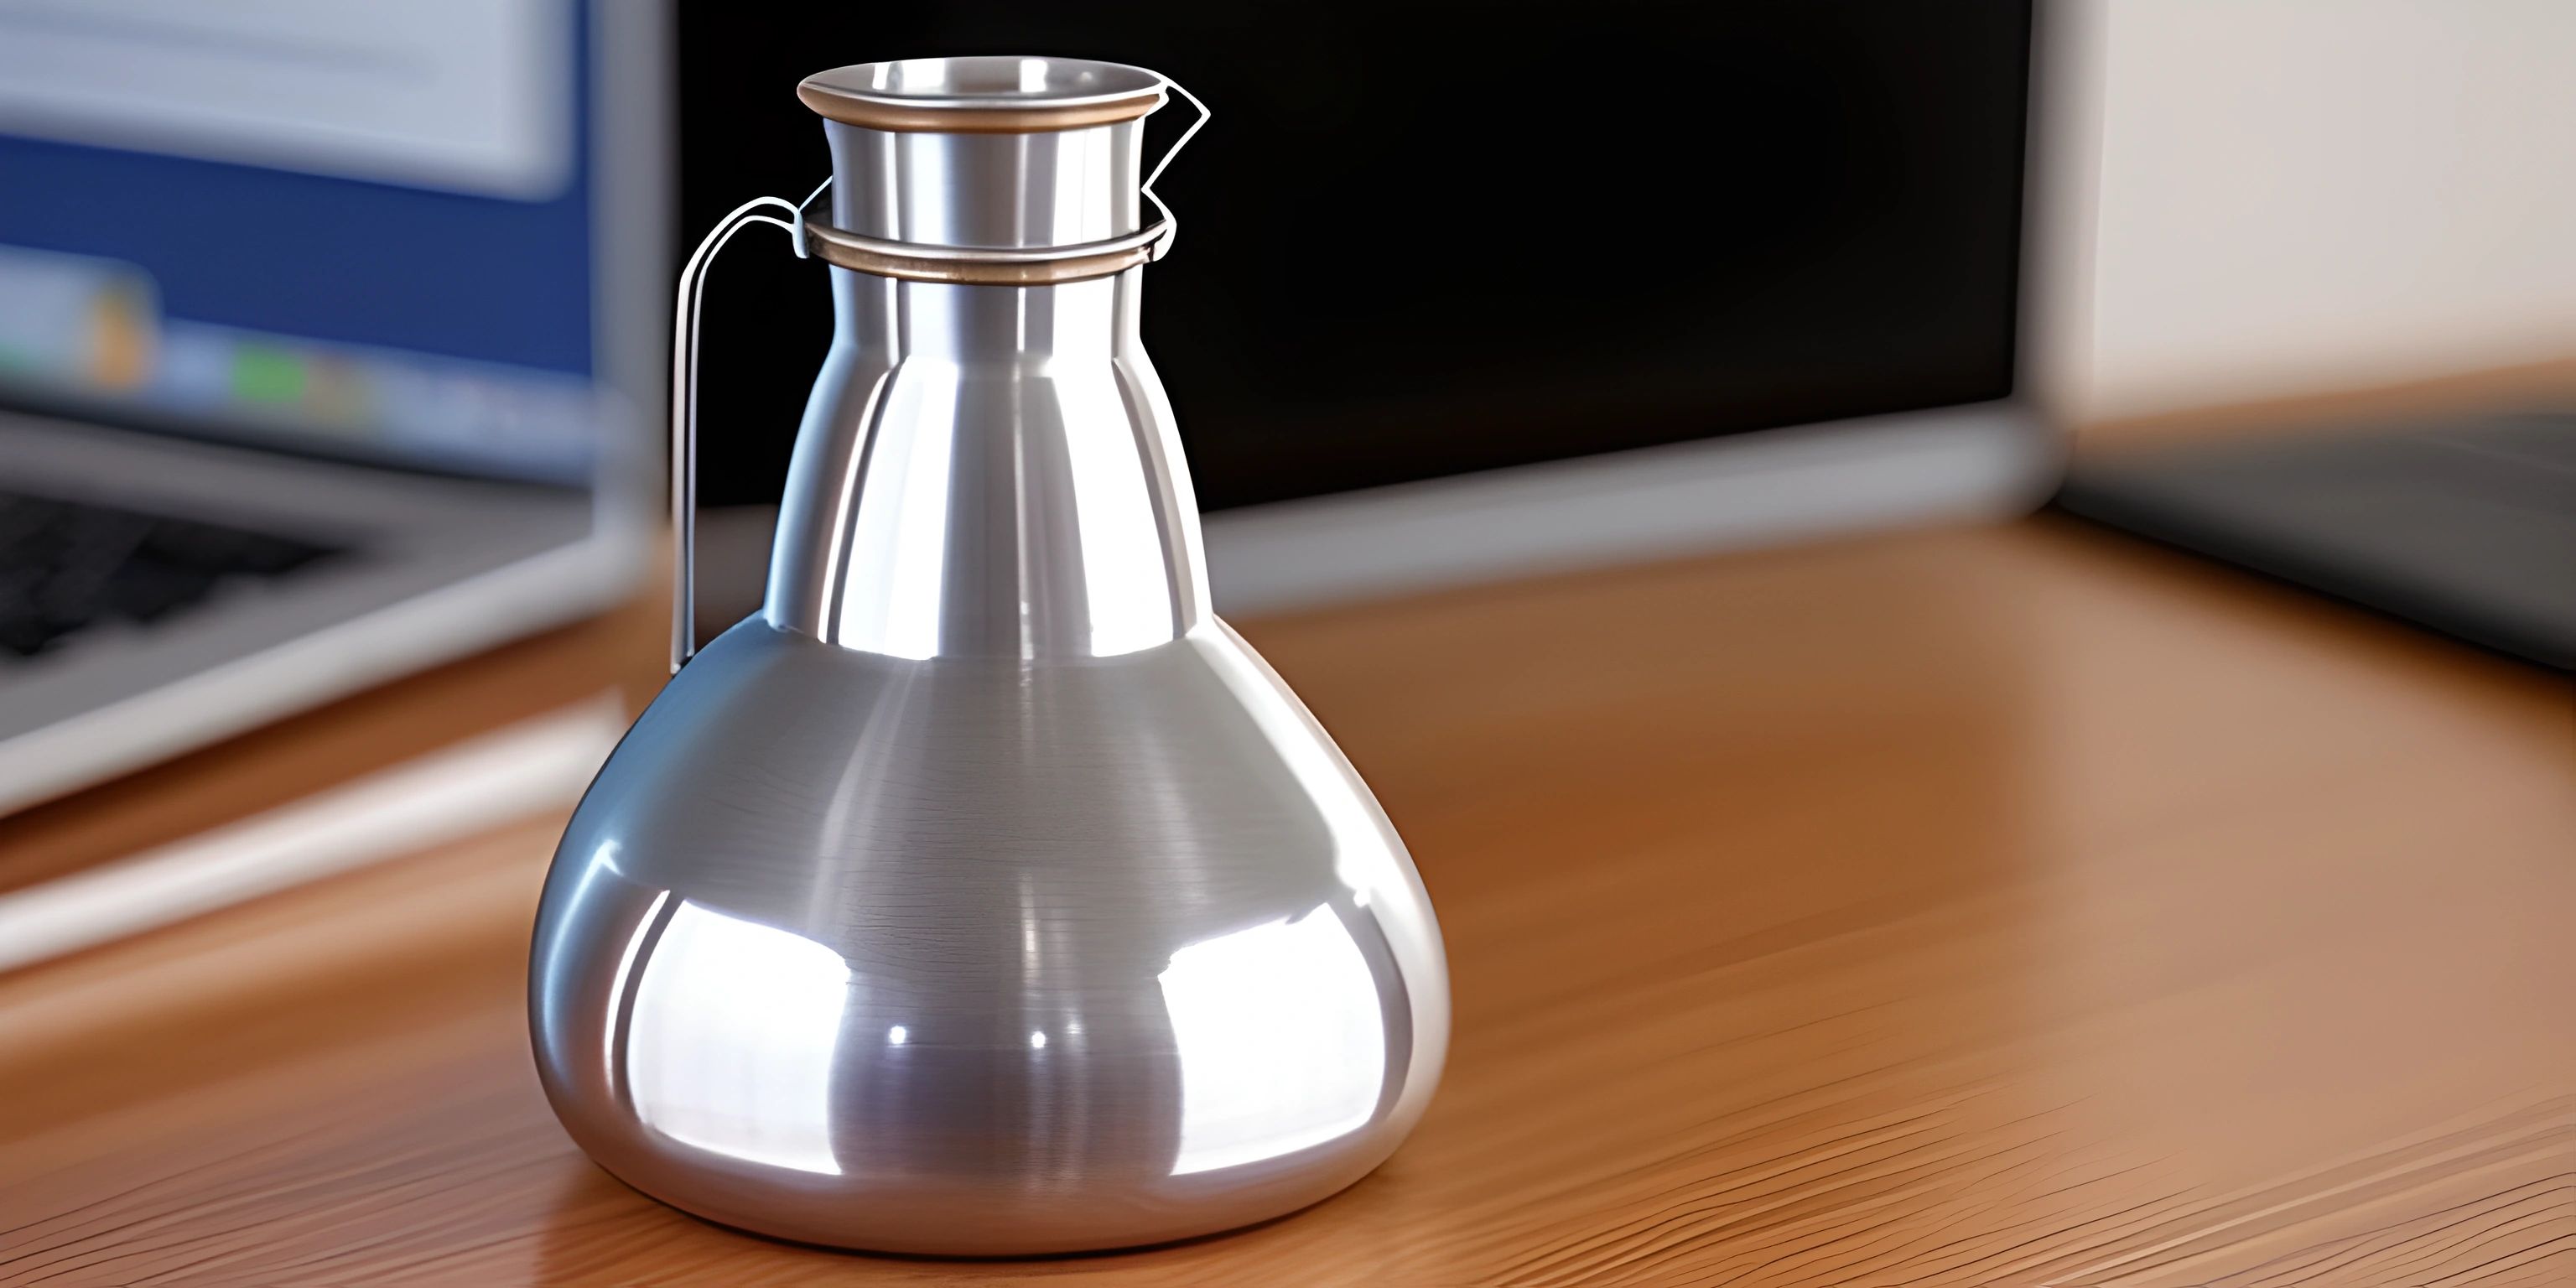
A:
x: 67, y: 566
x: 2467, y: 526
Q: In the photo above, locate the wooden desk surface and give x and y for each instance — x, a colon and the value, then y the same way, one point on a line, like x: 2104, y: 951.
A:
x: 1994, y: 907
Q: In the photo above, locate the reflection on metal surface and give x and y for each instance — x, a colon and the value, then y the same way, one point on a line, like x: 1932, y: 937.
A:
x: 892, y: 598
x: 730, y: 1048
x: 1009, y: 957
x: 1366, y: 856
x: 1007, y: 902
x: 1282, y: 1041
x: 625, y: 973
x: 1122, y: 545
x: 912, y: 527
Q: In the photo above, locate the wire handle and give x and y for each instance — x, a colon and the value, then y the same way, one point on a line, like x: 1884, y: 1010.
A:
x: 1172, y: 222
x: 684, y: 404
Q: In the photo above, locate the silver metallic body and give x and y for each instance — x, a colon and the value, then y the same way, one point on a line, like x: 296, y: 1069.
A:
x: 985, y: 894
x: 1068, y: 531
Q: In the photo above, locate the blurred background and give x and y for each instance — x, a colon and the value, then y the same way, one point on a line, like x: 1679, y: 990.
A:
x: 2299, y: 198
x: 1965, y: 607
x: 333, y: 342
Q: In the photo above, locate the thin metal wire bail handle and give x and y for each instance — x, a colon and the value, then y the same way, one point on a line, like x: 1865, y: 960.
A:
x: 1172, y: 222
x: 684, y: 404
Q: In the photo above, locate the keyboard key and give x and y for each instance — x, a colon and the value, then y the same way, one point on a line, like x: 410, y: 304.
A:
x: 66, y: 566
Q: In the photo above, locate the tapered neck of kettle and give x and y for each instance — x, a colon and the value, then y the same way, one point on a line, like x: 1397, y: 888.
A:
x: 984, y: 470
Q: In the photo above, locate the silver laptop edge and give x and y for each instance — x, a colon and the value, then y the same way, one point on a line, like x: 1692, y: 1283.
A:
x: 1983, y: 461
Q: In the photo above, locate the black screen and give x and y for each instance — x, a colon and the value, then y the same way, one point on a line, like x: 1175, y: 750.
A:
x: 1427, y: 239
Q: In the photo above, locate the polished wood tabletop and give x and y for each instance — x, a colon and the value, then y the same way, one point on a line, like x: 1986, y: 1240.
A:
x: 1998, y: 906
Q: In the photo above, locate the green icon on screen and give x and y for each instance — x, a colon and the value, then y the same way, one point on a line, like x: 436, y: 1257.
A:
x: 266, y: 375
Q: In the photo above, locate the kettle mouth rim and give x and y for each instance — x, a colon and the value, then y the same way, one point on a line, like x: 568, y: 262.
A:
x: 983, y: 94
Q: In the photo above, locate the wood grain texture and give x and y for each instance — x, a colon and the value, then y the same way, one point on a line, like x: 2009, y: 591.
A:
x: 1996, y: 907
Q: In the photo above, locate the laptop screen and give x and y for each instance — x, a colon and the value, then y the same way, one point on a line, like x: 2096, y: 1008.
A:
x: 355, y: 228
x: 1427, y: 240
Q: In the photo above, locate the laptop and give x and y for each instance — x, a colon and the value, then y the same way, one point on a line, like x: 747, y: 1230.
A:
x: 330, y: 348
x: 1437, y: 318
x: 2463, y: 524
x: 1467, y: 296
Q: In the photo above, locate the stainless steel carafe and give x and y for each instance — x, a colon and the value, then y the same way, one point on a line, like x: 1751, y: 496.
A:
x: 984, y: 893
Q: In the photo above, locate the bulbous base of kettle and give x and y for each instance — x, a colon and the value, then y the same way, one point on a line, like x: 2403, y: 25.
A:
x: 979, y: 957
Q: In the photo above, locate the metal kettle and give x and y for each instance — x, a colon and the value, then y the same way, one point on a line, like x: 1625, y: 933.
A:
x: 984, y: 893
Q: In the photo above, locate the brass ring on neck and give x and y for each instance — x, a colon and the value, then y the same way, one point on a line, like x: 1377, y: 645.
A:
x: 985, y: 265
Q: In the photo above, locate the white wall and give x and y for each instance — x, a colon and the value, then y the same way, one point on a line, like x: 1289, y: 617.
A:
x: 2306, y: 195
